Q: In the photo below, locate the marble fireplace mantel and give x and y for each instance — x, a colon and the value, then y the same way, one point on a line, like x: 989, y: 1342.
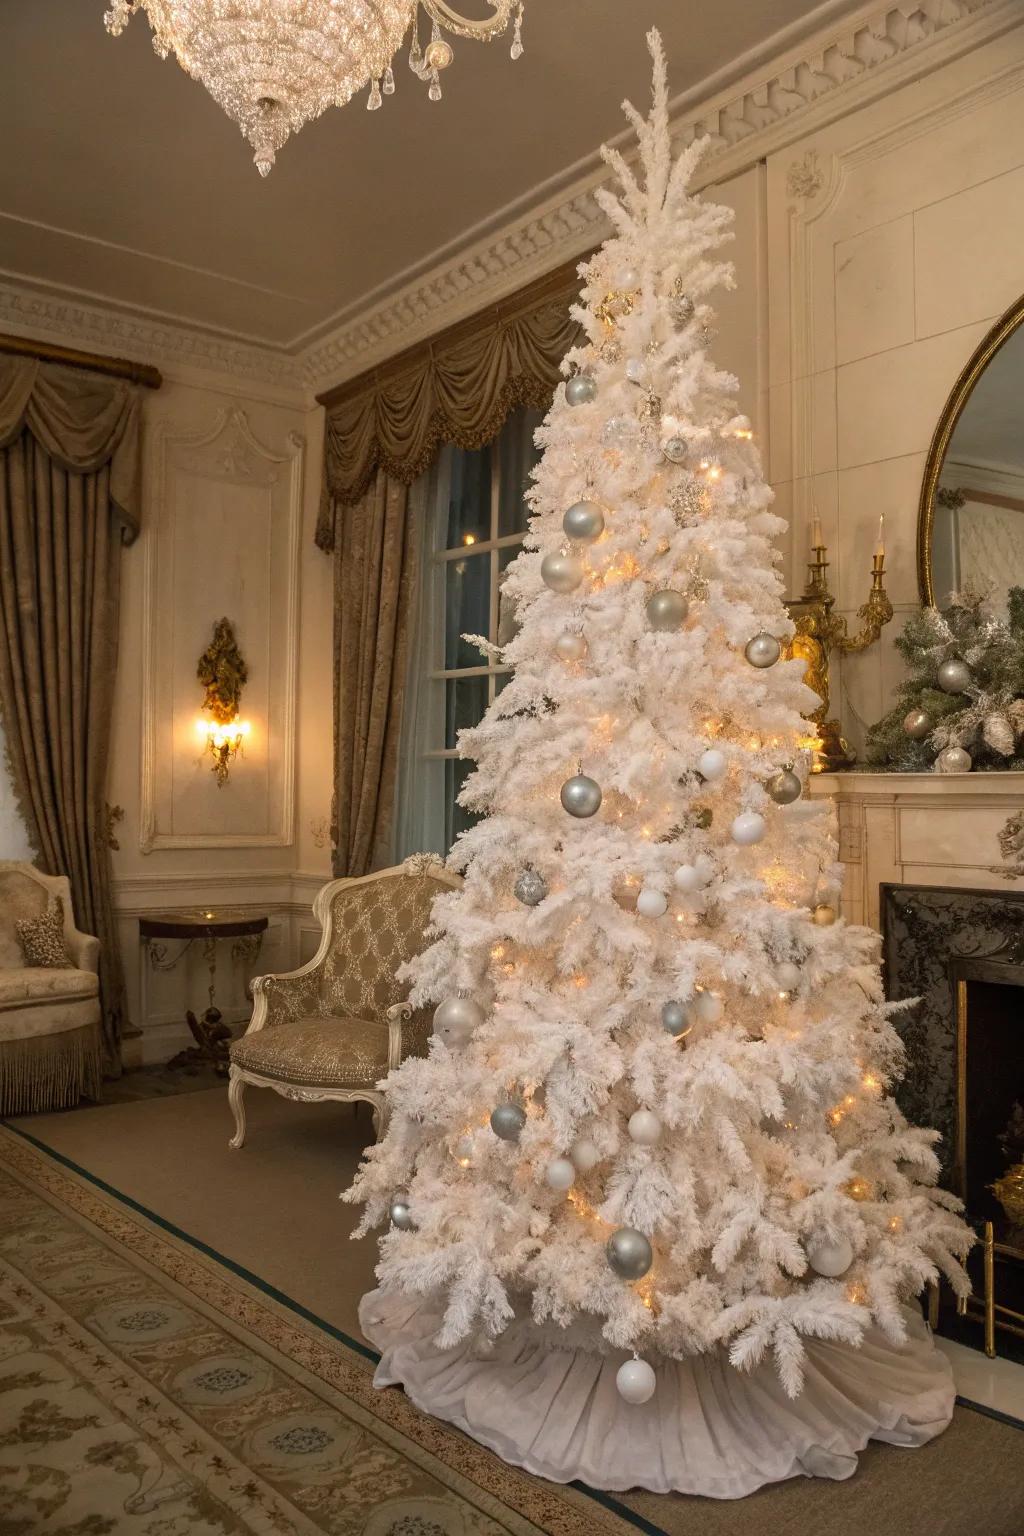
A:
x: 922, y: 829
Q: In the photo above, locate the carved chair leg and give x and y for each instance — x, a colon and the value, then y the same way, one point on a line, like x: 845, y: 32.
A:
x: 236, y: 1089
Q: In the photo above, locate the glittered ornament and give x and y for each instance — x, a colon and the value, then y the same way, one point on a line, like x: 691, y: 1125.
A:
x: 651, y: 903
x: 784, y: 787
x: 918, y: 724
x: 675, y: 1019
x: 998, y: 733
x: 584, y: 1155
x: 676, y: 450
x: 712, y: 764
x: 530, y: 888
x: 581, y: 796
x: 707, y: 1006
x: 455, y: 1020
x: 666, y: 610
x: 629, y: 1253
x: 583, y: 522
x: 507, y: 1121
x: 954, y: 676
x: 953, y: 760
x: 401, y: 1213
x: 570, y: 647
x: 561, y: 572
x: 824, y: 915
x: 560, y: 1174
x: 635, y: 1382
x: 581, y: 389
x: 762, y: 650
x: 829, y: 1256
x: 681, y: 308
x: 747, y: 828
x: 644, y: 1128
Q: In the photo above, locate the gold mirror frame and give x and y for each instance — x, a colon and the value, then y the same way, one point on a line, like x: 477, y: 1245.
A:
x: 951, y: 413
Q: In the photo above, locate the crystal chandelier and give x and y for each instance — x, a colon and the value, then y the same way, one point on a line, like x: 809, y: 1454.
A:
x: 273, y: 65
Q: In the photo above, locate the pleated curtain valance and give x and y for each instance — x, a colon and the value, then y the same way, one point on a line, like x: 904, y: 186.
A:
x: 82, y: 420
x: 458, y: 388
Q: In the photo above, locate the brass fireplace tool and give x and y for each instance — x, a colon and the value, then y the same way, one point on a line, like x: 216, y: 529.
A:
x: 820, y: 631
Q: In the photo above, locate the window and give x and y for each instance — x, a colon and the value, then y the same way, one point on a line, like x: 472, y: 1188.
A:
x: 473, y: 524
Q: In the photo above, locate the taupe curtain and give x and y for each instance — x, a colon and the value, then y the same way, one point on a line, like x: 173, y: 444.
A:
x: 382, y: 431
x: 69, y: 471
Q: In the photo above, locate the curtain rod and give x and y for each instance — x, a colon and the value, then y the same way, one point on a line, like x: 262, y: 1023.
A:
x: 70, y: 357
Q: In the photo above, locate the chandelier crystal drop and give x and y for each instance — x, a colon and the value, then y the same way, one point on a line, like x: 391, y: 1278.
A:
x: 274, y: 65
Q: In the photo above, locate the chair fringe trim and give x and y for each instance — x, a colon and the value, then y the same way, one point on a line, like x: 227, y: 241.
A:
x: 49, y: 1071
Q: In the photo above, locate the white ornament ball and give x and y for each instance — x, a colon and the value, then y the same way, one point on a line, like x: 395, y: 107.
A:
x: 581, y: 796
x: 788, y: 976
x: 708, y: 1007
x: 560, y: 1174
x: 748, y: 827
x: 455, y: 1020
x: 830, y: 1257
x: 562, y: 573
x: 690, y: 878
x: 583, y: 522
x: 570, y: 647
x: 635, y: 1382
x: 763, y: 650
x: 644, y: 1128
x: 584, y: 1154
x: 953, y: 760
x: 651, y: 903
x: 628, y: 279
x: 667, y: 610
x: 712, y: 765
x: 580, y: 389
x: 954, y: 676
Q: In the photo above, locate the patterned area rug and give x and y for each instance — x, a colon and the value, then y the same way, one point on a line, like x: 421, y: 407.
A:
x: 145, y: 1388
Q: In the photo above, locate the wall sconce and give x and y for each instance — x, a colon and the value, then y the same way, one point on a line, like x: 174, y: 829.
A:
x: 222, y: 672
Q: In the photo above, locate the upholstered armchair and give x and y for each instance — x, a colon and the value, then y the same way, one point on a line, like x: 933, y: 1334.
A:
x: 49, y: 1014
x: 338, y: 1025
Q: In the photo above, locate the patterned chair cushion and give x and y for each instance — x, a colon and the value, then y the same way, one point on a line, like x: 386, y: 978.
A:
x: 42, y: 938
x: 376, y: 927
x: 317, y: 1052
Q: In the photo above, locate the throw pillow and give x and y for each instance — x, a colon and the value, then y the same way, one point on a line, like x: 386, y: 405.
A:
x: 42, y: 938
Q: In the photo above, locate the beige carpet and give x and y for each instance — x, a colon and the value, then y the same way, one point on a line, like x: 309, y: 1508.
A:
x: 272, y: 1208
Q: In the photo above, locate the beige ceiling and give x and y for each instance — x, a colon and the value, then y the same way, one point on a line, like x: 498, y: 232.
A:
x: 121, y: 180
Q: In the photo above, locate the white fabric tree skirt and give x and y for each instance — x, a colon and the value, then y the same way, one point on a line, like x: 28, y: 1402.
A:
x: 709, y: 1429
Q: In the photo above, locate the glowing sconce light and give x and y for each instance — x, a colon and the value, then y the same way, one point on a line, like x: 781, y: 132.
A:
x: 223, y: 740
x: 222, y: 672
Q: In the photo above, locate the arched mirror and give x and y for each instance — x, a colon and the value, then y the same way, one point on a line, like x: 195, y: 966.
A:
x: 970, y: 527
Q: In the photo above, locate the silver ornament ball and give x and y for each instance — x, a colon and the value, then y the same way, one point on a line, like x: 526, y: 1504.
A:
x: 953, y: 760
x: 666, y: 609
x: 918, y: 724
x: 570, y: 647
x: 581, y: 796
x: 507, y: 1121
x: 829, y: 1256
x: 762, y: 650
x: 675, y: 1019
x: 456, y: 1018
x: 583, y: 522
x: 676, y: 450
x: 635, y: 1382
x: 401, y: 1213
x: 784, y: 787
x: 954, y: 676
x: 530, y: 888
x: 560, y: 572
x: 580, y: 389
x: 629, y: 1253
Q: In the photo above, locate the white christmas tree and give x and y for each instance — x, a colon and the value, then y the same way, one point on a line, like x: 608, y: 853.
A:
x: 654, y: 1124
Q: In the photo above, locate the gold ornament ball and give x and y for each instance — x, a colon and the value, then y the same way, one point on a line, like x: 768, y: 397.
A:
x: 824, y: 915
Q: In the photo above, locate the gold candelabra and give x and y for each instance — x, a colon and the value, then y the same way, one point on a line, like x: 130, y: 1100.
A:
x: 820, y: 631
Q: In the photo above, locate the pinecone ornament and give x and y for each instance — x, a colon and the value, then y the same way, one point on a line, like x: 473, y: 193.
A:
x: 998, y: 733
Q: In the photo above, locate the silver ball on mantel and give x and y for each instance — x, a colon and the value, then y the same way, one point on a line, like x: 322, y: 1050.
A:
x: 629, y: 1253
x: 456, y: 1018
x: 561, y: 572
x: 954, y: 676
x: 583, y: 522
x: 581, y: 796
x: 580, y: 389
x: 666, y: 609
x: 530, y: 888
x: 953, y: 760
x: 918, y: 724
x: 507, y: 1121
x: 784, y: 787
x: 762, y: 650
x: 401, y: 1213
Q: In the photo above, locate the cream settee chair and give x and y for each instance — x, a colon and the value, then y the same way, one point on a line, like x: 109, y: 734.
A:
x: 49, y: 1016
x: 336, y: 1026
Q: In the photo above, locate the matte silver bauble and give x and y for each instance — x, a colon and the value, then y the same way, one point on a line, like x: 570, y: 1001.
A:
x: 918, y: 724
x: 580, y: 389
x: 676, y: 450
x: 667, y: 609
x: 570, y: 647
x: 629, y: 1253
x: 784, y: 787
x: 747, y: 828
x: 763, y: 650
x: 675, y: 1019
x: 954, y: 676
x: 456, y: 1018
x: 953, y: 760
x: 562, y: 573
x: 507, y: 1121
x: 829, y: 1256
x: 824, y: 915
x: 530, y: 888
x: 635, y: 1382
x: 581, y: 796
x: 583, y: 522
x: 401, y: 1213
x: 560, y: 1174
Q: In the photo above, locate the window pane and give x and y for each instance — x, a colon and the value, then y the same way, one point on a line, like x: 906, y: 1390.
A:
x: 516, y: 457
x: 465, y: 703
x: 457, y: 771
x: 469, y: 503
x: 467, y: 608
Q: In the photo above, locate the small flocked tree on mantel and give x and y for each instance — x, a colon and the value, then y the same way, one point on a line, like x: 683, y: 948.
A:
x: 652, y: 1156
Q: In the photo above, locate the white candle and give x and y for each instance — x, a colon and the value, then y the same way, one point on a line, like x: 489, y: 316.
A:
x: 817, y: 537
x: 880, y: 546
